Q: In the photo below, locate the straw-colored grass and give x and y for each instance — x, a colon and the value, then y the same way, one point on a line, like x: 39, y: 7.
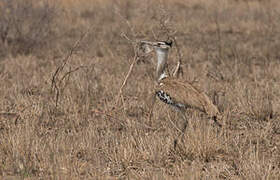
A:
x: 69, y: 125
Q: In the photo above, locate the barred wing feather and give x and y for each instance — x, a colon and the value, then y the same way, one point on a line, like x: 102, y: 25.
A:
x: 188, y: 95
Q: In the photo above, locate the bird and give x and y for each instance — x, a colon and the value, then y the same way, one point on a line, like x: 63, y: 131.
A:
x: 178, y: 94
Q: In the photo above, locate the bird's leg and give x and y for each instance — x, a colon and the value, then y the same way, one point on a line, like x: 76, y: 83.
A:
x: 216, y: 122
x: 151, y: 102
x: 182, y: 129
x: 214, y: 118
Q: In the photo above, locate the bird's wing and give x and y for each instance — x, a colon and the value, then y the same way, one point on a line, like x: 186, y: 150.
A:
x: 187, y: 94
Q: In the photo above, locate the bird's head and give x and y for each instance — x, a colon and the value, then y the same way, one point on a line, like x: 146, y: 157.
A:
x: 159, y: 45
x: 161, y: 48
x: 163, y: 45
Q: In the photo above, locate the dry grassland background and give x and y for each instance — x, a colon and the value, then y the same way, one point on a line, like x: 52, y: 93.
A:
x: 62, y: 64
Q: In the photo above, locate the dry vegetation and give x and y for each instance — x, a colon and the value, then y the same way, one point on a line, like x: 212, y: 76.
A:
x: 62, y: 65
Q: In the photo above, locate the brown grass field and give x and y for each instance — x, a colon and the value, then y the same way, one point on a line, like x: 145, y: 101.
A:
x: 70, y: 109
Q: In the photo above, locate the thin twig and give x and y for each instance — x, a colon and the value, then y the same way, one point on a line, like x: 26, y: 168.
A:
x: 178, y: 69
x: 71, y: 71
x: 66, y: 59
x: 96, y: 111
x: 126, y: 77
x: 56, y: 82
x: 135, y: 43
x: 171, y: 34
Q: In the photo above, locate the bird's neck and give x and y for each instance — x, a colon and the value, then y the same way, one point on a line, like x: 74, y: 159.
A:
x: 162, y: 71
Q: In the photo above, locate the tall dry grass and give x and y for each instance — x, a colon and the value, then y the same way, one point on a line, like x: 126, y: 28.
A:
x: 59, y: 115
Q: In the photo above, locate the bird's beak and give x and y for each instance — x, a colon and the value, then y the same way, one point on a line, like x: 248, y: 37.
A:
x: 149, y: 43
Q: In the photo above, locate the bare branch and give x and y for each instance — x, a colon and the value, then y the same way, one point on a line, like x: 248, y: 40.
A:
x: 171, y: 35
x: 126, y: 77
x: 55, y: 81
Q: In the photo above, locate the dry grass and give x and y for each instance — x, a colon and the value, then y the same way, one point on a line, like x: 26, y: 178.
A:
x: 69, y: 126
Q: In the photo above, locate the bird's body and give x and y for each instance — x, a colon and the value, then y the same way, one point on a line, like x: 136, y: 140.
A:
x: 178, y: 94
x: 185, y: 95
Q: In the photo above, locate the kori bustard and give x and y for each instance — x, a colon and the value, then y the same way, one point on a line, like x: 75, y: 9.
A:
x: 179, y: 95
